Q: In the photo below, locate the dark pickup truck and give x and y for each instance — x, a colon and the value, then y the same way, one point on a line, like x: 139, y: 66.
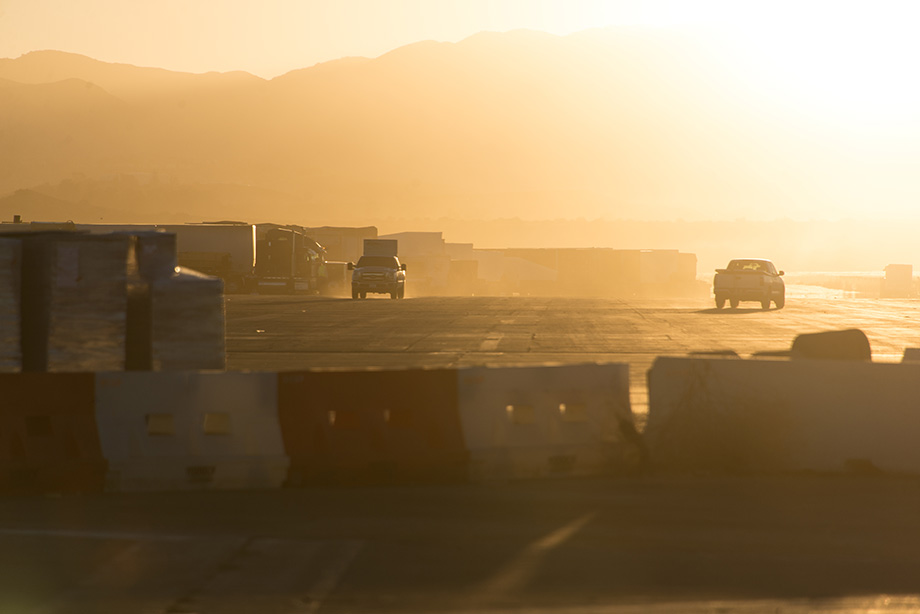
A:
x: 380, y: 274
x: 749, y: 279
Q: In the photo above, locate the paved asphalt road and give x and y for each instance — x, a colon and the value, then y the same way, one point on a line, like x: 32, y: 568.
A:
x: 614, y: 545
x: 289, y: 333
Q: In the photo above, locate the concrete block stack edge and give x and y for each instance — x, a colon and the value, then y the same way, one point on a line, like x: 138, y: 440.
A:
x: 10, y: 288
x: 72, y: 301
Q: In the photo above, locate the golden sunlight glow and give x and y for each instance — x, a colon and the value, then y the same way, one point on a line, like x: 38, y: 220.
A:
x: 846, y: 63
x: 809, y: 108
x: 840, y: 59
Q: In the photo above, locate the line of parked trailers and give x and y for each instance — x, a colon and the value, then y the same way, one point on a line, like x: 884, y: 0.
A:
x: 268, y: 258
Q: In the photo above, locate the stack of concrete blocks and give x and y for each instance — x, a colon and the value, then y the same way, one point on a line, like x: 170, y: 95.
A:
x: 10, y: 342
x: 184, y: 309
x: 187, y: 314
x: 74, y: 301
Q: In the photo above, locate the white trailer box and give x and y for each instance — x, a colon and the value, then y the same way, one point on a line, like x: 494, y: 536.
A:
x: 380, y: 247
x: 227, y: 251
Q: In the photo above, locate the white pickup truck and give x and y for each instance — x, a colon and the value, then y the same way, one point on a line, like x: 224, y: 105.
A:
x: 749, y: 279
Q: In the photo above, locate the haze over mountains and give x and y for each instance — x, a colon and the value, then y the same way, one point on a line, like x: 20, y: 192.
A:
x: 616, y: 124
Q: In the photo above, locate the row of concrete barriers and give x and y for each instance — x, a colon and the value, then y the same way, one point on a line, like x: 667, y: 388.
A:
x: 146, y: 431
x: 137, y: 431
x: 727, y: 415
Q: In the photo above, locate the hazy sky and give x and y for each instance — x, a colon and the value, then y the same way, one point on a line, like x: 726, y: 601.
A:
x: 270, y: 37
x: 840, y: 68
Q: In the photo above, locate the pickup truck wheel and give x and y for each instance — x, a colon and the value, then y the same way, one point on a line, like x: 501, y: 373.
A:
x: 363, y: 295
x: 734, y: 303
x: 780, y: 301
x: 354, y: 294
x: 402, y: 292
x: 394, y: 295
x: 765, y: 303
x: 720, y: 302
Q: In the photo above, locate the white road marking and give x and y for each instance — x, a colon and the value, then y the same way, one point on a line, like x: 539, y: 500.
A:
x: 516, y: 573
x: 330, y: 579
x: 274, y: 576
x: 201, y: 573
x: 490, y: 343
x: 140, y: 576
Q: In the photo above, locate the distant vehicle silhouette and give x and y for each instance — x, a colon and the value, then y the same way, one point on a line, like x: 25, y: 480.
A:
x: 749, y: 279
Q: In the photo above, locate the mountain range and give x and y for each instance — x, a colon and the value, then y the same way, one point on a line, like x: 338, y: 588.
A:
x: 617, y: 123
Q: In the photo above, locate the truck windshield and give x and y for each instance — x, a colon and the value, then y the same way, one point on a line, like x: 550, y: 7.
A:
x: 389, y: 262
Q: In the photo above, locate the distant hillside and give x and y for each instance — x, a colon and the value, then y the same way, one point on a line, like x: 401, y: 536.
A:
x: 615, y: 123
x: 144, y: 198
x: 122, y: 80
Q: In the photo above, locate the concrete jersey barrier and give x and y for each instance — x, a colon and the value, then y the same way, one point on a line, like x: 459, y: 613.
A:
x: 48, y: 437
x: 190, y: 430
x: 776, y: 416
x: 543, y: 421
x: 372, y: 426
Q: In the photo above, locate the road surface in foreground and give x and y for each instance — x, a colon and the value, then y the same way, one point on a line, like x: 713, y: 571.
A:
x: 606, y: 546
x: 290, y: 332
x: 628, y: 545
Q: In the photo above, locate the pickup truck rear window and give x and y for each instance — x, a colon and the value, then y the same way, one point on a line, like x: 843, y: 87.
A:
x: 750, y: 265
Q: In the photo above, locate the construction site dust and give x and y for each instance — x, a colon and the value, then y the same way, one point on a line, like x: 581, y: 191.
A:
x: 622, y: 320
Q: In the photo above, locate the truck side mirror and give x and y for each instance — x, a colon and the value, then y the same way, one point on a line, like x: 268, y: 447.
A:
x: 351, y: 266
x: 402, y: 267
x: 781, y: 273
